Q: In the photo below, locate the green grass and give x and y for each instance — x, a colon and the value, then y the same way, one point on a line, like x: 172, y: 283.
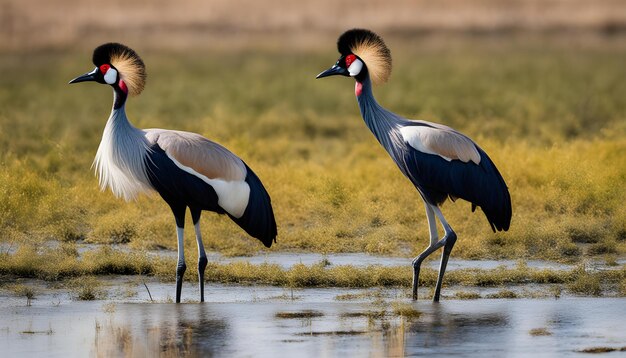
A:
x: 503, y: 294
x: 594, y: 350
x: 299, y: 315
x: 59, y: 264
x: 466, y: 295
x: 87, y: 288
x: 405, y: 310
x: 24, y: 291
x: 540, y: 332
x: 551, y: 117
x: 586, y: 284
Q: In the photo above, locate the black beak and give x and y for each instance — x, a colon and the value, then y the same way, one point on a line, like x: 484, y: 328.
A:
x: 335, y: 70
x: 91, y: 76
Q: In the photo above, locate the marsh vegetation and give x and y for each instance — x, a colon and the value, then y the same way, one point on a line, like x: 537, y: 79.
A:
x: 552, y: 118
x: 539, y: 85
x: 550, y: 113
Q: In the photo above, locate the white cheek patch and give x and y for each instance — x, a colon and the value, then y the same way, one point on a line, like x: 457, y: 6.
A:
x: 355, y: 67
x: 110, y: 76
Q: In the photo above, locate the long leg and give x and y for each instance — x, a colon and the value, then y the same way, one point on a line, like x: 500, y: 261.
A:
x: 202, y: 260
x: 449, y: 239
x: 434, y: 245
x: 179, y: 215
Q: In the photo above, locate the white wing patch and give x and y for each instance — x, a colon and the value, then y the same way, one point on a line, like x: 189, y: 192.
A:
x: 232, y: 196
x: 447, y: 144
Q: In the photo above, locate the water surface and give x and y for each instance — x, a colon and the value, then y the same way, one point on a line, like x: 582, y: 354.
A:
x: 242, y: 321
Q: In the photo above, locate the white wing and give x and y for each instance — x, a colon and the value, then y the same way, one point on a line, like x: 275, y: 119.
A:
x: 442, y: 141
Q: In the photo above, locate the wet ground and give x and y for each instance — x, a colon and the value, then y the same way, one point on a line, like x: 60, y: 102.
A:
x: 288, y: 259
x: 277, y: 322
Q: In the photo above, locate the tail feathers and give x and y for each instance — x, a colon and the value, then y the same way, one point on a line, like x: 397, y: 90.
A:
x: 483, y: 186
x: 496, y: 202
x: 499, y: 218
x: 258, y: 218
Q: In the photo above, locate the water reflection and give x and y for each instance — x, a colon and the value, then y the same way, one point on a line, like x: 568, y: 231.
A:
x: 442, y: 328
x: 314, y: 329
x: 152, y: 330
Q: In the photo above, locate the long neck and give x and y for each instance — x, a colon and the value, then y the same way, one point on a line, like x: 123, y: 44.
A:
x: 119, y: 97
x: 383, y: 124
x: 118, y: 126
x: 121, y: 158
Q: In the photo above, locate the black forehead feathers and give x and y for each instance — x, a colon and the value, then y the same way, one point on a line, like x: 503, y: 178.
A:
x: 349, y: 39
x: 103, y: 53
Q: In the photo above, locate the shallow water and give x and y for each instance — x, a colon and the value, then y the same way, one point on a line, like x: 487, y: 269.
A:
x: 242, y: 321
x: 288, y: 259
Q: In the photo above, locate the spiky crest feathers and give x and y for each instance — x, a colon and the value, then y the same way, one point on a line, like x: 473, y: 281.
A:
x: 371, y: 49
x: 128, y: 64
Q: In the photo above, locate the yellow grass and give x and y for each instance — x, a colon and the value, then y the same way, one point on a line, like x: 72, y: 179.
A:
x: 554, y: 126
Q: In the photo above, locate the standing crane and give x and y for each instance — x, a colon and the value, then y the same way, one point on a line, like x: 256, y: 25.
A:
x: 437, y: 159
x: 186, y: 169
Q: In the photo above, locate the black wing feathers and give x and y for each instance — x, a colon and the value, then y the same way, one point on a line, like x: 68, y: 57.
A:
x: 258, y: 219
x: 179, y: 188
x: 482, y: 185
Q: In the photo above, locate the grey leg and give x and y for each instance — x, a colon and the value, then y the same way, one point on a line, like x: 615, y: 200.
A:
x: 202, y: 263
x: 417, y: 263
x: 180, y: 267
x: 449, y: 239
x: 434, y: 245
x: 202, y: 260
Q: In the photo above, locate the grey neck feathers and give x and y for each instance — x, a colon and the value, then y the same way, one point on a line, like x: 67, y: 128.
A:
x: 384, y: 124
x: 120, y: 162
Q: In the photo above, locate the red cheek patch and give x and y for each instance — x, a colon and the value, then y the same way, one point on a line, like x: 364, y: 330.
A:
x: 123, y: 86
x: 104, y: 68
x: 349, y: 59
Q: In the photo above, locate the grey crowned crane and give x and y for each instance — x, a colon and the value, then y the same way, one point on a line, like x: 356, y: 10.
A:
x: 438, y: 160
x: 186, y: 169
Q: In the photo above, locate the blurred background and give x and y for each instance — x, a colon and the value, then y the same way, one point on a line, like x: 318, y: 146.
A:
x: 38, y: 24
x: 540, y: 85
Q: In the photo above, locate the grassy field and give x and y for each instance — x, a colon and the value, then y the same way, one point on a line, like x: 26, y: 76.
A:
x: 552, y: 116
x: 62, y: 264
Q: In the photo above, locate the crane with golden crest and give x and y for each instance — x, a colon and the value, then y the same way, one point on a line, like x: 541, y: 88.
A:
x: 186, y: 169
x: 441, y: 162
